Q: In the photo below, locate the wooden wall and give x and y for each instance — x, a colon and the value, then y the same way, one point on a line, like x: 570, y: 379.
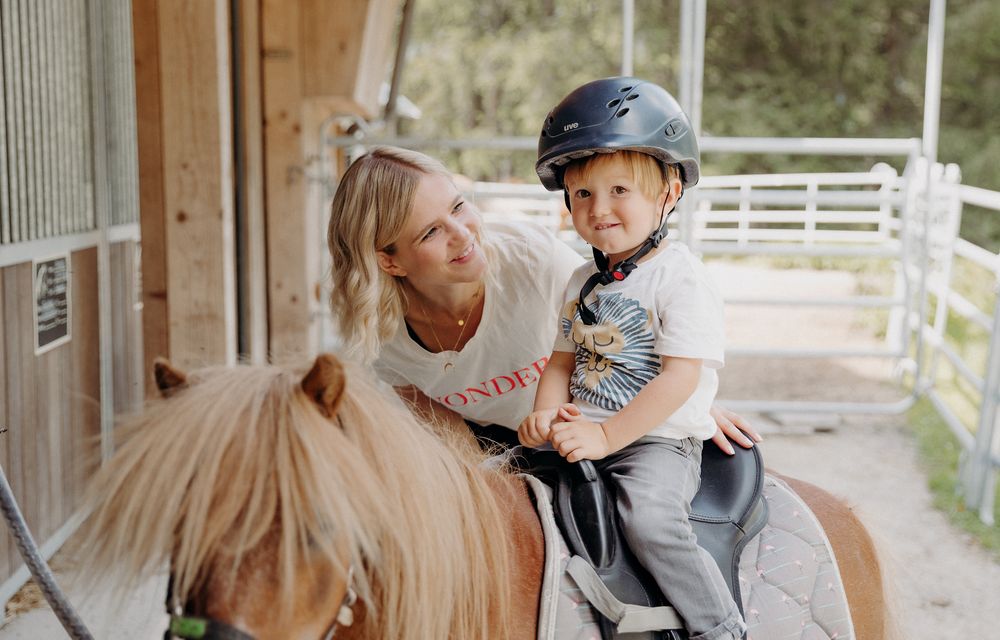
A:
x: 68, y: 181
x: 49, y: 405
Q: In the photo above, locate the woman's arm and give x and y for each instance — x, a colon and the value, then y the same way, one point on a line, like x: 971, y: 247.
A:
x: 735, y: 427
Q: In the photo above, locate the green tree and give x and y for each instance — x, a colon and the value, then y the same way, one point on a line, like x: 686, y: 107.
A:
x: 853, y: 68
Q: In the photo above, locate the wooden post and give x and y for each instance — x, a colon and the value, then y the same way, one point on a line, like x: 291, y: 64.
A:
x: 321, y: 59
x: 184, y: 102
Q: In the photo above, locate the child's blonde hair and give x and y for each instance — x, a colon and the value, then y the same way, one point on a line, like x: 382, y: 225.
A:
x: 650, y: 174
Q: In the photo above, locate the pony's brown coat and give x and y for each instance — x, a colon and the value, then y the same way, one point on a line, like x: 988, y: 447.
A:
x: 857, y: 559
x: 430, y: 534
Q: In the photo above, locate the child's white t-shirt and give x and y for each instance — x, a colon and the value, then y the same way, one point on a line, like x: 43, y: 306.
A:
x: 668, y: 306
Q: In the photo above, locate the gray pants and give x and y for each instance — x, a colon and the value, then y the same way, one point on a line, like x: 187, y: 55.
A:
x: 654, y: 480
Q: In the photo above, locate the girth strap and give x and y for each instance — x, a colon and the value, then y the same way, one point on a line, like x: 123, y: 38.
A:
x: 629, y: 618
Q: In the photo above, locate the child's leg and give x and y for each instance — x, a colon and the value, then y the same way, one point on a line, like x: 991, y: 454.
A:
x: 656, y: 479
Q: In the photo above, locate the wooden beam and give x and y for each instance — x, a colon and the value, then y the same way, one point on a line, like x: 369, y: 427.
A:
x: 193, y: 258
x: 321, y: 59
x: 345, y: 50
x: 149, y: 129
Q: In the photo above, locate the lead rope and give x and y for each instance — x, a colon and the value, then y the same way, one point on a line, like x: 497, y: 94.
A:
x: 36, y: 564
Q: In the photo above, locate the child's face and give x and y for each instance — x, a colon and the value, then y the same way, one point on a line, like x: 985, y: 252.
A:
x: 609, y: 209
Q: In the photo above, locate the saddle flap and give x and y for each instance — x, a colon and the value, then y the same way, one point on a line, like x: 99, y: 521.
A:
x: 730, y: 486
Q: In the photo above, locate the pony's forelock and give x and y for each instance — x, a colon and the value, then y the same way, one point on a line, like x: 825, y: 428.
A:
x: 205, y: 477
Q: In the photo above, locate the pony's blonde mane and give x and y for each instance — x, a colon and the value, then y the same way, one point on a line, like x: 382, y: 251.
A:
x: 204, y: 476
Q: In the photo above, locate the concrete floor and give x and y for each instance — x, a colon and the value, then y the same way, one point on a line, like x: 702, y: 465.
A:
x: 138, y: 616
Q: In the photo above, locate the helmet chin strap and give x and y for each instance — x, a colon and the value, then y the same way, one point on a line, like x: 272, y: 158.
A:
x: 606, y: 273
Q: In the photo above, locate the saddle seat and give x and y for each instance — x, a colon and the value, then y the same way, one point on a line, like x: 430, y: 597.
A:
x: 727, y: 512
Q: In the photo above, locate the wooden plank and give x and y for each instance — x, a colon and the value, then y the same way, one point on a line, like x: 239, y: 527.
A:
x: 330, y: 46
x: 290, y: 226
x: 345, y: 49
x: 47, y: 427
x: 21, y: 402
x: 13, y: 355
x: 198, y: 181
x: 6, y: 541
x: 152, y: 223
x: 82, y: 453
x: 378, y: 47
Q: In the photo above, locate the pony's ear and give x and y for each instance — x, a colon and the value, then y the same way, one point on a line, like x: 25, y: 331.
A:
x: 324, y: 384
x: 168, y: 379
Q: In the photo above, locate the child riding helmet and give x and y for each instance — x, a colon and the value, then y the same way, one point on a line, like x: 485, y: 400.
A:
x: 616, y: 114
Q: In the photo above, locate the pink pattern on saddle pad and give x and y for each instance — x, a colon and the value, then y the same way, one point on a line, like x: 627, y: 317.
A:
x: 789, y: 579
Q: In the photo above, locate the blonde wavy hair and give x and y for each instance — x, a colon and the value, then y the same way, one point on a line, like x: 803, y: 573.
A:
x: 238, y: 466
x: 371, y: 207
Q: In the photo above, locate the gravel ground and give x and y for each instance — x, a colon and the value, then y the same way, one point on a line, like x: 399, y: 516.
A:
x: 943, y: 584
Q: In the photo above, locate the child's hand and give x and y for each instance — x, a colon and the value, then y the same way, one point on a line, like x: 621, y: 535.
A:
x: 534, y: 430
x: 578, y: 438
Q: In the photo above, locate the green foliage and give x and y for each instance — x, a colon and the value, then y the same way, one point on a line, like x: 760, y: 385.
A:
x: 807, y: 68
x: 939, y: 452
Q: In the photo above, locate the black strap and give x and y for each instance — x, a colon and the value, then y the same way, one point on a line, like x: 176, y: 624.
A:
x: 619, y: 272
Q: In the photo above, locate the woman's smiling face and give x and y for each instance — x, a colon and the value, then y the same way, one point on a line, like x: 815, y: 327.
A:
x: 439, y: 244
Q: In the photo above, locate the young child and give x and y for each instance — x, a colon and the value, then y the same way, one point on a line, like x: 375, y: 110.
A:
x: 633, y: 375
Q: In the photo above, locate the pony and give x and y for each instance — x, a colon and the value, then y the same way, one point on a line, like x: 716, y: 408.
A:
x: 275, y: 495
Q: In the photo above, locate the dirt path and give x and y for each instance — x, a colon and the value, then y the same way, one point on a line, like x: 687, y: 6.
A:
x: 945, y: 585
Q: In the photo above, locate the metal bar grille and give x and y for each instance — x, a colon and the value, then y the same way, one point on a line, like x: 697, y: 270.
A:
x: 120, y: 99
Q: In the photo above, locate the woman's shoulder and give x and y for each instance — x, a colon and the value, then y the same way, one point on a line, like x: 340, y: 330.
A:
x: 524, y: 241
x: 519, y: 232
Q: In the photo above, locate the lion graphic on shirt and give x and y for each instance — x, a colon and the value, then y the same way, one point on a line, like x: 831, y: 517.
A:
x: 615, y: 357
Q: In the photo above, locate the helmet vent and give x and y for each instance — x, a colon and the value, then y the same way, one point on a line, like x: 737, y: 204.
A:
x: 614, y: 103
x: 624, y: 89
x: 622, y: 112
x: 545, y: 134
x: 632, y: 97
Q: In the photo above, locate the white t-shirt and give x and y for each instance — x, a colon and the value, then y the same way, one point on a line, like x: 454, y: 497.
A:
x: 668, y: 306
x: 494, y: 377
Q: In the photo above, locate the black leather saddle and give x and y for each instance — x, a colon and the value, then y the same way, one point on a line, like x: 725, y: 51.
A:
x: 727, y: 512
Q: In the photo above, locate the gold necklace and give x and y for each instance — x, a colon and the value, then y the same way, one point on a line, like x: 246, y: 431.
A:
x: 462, y: 322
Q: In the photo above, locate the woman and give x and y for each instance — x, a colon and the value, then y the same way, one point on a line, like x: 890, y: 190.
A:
x: 458, y: 316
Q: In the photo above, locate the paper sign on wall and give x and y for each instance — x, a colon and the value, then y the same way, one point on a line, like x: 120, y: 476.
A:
x: 52, y: 295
